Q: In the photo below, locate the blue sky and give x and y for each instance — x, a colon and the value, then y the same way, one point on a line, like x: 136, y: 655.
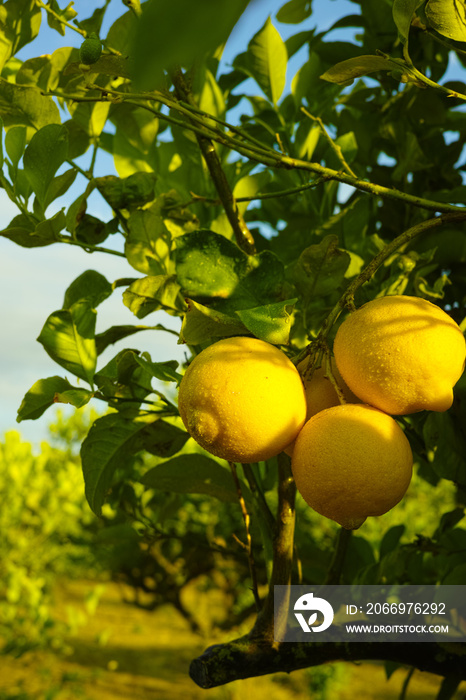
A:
x: 33, y: 282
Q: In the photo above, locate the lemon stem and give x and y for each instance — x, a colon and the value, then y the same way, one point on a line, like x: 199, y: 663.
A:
x: 331, y: 377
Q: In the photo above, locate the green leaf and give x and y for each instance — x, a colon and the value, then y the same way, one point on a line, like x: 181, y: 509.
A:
x: 211, y: 268
x: 445, y: 447
x: 147, y: 246
x: 124, y: 378
x: 164, y: 439
x: 68, y: 337
x: 403, y: 11
x: 41, y: 396
x: 19, y: 24
x: 66, y: 15
x: 116, y: 333
x: 320, y: 269
x: 194, y: 473
x: 77, y: 397
x: 91, y: 287
x: 50, y: 229
x: 201, y: 324
x: 125, y: 193
x: 46, y: 152
x: 391, y: 539
x: 448, y: 18
x: 164, y: 371
x: 345, y: 72
x: 110, y: 445
x: 26, y: 106
x: 295, y: 11
x: 15, y: 143
x: 171, y: 34
x: 60, y: 185
x: 267, y: 61
x: 271, y: 322
x: 151, y: 294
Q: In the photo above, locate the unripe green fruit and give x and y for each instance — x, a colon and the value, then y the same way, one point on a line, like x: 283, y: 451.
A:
x: 91, y: 50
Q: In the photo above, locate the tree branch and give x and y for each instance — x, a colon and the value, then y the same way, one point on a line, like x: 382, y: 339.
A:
x: 282, y: 552
x: 248, y: 657
x: 243, y: 235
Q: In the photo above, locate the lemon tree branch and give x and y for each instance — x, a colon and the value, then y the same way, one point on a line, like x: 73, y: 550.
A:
x: 282, y: 552
x: 249, y: 657
x: 242, y: 234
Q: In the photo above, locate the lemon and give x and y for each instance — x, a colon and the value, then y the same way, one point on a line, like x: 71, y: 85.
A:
x: 401, y: 354
x: 352, y: 461
x: 320, y: 393
x: 242, y: 399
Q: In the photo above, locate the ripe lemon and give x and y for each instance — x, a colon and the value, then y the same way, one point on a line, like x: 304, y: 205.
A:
x: 320, y: 393
x: 401, y: 354
x: 352, y: 461
x: 242, y: 399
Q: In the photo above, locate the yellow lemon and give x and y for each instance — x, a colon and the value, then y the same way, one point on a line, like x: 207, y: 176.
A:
x: 242, y: 399
x: 350, y: 462
x: 401, y: 354
x: 320, y: 393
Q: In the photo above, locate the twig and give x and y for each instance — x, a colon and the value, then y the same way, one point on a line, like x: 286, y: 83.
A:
x: 282, y: 555
x: 334, y: 146
x: 56, y: 16
x: 247, y: 519
x: 269, y: 156
x: 331, y: 377
x: 88, y: 246
x: 259, y: 496
x: 347, y: 299
x: 406, y: 683
x: 242, y: 234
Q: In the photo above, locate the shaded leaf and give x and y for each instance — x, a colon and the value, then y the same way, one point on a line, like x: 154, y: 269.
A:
x: 294, y: 11
x: 46, y: 152
x: 345, y: 72
x: 90, y: 286
x: 164, y: 439
x: 445, y: 447
x: 147, y: 246
x: 320, y: 268
x: 210, y: 267
x: 194, y: 473
x: 115, y: 333
x: 19, y: 24
x: 151, y: 294
x: 164, y: 371
x: 403, y: 11
x: 171, y: 34
x: 26, y: 106
x: 124, y: 193
x: 110, y: 444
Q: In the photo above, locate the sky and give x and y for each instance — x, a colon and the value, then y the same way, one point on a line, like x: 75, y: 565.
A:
x: 33, y: 281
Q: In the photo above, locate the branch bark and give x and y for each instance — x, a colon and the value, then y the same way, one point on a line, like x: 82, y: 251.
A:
x: 248, y: 657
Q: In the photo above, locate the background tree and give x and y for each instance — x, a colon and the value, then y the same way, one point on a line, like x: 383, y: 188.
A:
x: 263, y: 212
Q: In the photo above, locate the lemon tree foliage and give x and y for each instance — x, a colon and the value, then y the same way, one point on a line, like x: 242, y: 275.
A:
x: 263, y: 198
